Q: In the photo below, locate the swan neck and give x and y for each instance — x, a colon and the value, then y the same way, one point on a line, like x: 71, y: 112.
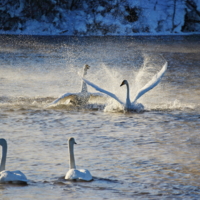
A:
x: 4, y: 153
x: 84, y: 85
x: 71, y: 157
x: 127, y: 95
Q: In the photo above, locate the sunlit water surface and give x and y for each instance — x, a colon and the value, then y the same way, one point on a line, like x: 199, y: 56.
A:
x: 154, y: 154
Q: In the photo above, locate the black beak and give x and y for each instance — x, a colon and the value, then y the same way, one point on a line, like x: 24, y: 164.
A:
x: 87, y: 66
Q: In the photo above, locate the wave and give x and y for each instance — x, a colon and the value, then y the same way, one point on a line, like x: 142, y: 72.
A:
x: 24, y: 102
x: 108, y: 105
x: 175, y: 105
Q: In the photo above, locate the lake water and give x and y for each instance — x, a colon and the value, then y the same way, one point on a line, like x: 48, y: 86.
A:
x: 154, y: 154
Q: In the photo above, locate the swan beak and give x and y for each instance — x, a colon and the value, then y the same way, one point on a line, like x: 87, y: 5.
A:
x: 122, y: 83
x: 87, y: 66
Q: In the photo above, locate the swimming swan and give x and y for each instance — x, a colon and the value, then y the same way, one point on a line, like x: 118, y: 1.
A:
x: 80, y: 98
x: 9, y: 176
x: 128, y: 105
x: 73, y: 173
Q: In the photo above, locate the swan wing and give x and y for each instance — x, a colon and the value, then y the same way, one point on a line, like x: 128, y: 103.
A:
x: 12, y: 176
x: 85, y: 175
x: 97, y: 97
x: 103, y: 91
x: 152, y: 83
x: 71, y: 175
x: 63, y: 98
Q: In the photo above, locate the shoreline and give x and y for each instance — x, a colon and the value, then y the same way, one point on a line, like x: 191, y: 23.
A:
x: 108, y: 35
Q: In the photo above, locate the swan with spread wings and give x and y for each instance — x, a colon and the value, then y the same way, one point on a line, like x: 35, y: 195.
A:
x: 133, y: 105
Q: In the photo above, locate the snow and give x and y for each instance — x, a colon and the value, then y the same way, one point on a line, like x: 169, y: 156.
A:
x: 99, y: 18
x: 133, y: 4
x: 179, y: 21
x: 100, y: 8
x: 151, y: 17
x: 197, y: 2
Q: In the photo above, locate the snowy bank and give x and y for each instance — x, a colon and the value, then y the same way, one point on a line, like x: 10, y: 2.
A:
x: 100, y: 17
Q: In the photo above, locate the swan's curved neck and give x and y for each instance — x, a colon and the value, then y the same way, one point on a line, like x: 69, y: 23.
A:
x: 71, y: 157
x: 3, y: 143
x: 128, y: 102
x: 84, y: 85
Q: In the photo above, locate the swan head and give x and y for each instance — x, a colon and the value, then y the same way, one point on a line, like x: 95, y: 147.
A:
x: 72, y: 141
x: 3, y: 142
x: 85, y: 68
x: 124, y: 82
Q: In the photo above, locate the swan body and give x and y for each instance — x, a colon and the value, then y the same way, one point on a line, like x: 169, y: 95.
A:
x: 73, y: 173
x: 133, y: 105
x: 81, y: 174
x: 75, y: 98
x: 12, y: 177
x: 80, y: 98
x: 9, y: 176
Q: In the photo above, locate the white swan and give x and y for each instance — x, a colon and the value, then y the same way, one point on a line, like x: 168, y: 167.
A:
x: 128, y: 105
x: 73, y: 173
x: 80, y: 98
x: 9, y: 176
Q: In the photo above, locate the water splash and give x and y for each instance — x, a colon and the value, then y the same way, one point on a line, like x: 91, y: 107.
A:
x: 36, y: 88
